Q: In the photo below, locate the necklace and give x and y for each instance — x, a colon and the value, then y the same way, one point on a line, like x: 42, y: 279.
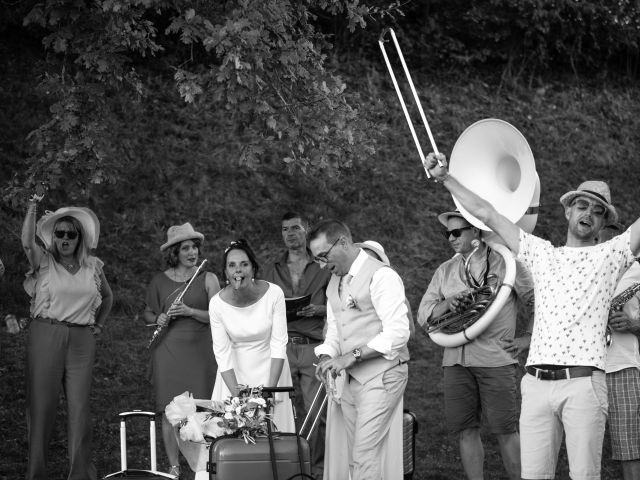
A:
x: 183, y: 277
x: 68, y: 265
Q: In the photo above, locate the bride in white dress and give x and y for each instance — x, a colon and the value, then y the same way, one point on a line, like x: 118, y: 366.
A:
x: 249, y: 329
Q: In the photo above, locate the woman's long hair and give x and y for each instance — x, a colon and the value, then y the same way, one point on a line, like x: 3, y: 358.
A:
x: 82, y: 251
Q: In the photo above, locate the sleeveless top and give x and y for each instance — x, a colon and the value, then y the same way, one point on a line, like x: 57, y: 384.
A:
x: 57, y: 293
x: 162, y: 291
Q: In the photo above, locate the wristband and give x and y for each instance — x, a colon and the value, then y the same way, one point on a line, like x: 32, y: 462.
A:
x: 443, y: 179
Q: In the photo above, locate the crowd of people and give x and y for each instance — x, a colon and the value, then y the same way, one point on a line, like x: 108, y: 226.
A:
x: 348, y: 333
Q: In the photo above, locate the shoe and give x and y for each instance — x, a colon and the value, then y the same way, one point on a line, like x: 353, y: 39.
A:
x: 175, y: 471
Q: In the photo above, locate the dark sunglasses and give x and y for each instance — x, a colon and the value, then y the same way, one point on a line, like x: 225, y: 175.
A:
x: 69, y: 234
x: 456, y: 232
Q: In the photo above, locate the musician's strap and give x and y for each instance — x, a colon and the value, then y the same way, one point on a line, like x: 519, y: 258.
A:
x: 473, y: 281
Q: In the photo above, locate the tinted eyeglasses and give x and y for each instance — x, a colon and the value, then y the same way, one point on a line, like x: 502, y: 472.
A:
x: 597, y: 209
x: 323, y: 257
x: 456, y: 232
x: 68, y: 233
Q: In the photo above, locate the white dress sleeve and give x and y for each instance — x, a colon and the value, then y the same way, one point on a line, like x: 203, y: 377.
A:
x: 279, y: 335
x: 221, y: 341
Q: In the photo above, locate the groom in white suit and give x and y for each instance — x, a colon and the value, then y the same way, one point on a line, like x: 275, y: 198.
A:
x: 366, y: 341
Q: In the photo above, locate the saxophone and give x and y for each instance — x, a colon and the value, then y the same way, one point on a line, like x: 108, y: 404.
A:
x: 621, y: 299
x: 618, y: 302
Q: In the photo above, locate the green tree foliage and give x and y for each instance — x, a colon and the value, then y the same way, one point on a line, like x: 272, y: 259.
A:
x: 260, y: 62
x: 525, y: 36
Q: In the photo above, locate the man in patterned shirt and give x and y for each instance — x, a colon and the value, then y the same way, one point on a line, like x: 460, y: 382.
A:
x: 565, y: 387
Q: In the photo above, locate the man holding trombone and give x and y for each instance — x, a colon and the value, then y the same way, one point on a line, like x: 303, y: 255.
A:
x: 564, y: 388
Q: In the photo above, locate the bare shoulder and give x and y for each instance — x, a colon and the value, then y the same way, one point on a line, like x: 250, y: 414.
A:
x: 211, y: 283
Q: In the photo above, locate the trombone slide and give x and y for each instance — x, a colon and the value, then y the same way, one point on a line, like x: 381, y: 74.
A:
x: 401, y: 98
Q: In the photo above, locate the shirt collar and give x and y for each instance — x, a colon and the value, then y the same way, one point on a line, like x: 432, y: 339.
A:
x: 358, y: 263
x: 282, y: 260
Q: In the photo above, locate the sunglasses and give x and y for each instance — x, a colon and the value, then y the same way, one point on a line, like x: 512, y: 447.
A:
x: 68, y: 233
x: 456, y: 232
x: 597, y: 209
x: 323, y: 257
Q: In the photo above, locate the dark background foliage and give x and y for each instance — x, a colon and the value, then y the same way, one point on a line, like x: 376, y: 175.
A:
x: 226, y: 114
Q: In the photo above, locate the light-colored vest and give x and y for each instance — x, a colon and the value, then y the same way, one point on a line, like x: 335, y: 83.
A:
x: 357, y: 321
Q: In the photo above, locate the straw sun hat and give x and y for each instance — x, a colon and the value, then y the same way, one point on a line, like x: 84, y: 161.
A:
x: 180, y: 233
x: 86, y: 217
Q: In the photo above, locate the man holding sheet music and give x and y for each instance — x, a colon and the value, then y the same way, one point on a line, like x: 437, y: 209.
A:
x: 304, y: 284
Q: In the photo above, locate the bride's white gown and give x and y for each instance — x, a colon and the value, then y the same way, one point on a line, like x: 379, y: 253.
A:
x: 246, y: 339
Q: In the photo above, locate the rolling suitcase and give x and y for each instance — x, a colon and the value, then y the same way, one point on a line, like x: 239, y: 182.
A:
x: 279, y: 456
x: 409, y: 430
x: 138, y: 474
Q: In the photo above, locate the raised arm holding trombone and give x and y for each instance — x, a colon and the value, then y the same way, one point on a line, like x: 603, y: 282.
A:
x: 574, y: 287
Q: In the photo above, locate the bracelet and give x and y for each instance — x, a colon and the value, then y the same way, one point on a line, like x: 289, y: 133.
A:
x: 443, y: 179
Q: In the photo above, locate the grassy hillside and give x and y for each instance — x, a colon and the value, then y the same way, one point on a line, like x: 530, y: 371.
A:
x: 576, y: 131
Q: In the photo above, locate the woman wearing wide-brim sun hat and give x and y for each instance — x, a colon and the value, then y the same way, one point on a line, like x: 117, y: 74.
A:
x: 182, y: 359
x: 70, y: 301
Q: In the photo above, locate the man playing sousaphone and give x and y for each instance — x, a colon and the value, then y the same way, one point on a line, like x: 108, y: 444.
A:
x: 564, y: 388
x: 480, y: 376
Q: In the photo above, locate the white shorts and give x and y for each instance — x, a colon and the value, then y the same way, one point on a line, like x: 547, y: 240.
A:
x: 579, y: 408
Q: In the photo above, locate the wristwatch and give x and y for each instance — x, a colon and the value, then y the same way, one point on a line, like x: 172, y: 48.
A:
x: 357, y: 354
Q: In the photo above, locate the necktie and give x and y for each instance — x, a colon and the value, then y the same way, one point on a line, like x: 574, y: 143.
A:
x: 344, y: 281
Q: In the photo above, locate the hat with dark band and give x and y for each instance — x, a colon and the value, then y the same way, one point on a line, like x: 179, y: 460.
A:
x: 596, y: 190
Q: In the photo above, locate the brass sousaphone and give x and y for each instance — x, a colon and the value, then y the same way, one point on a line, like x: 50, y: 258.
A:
x: 493, y: 159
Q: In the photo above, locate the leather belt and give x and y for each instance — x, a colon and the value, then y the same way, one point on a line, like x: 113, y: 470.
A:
x: 53, y: 321
x: 561, y: 373
x: 302, y: 340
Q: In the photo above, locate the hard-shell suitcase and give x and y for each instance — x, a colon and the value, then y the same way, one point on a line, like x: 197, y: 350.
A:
x: 138, y: 474
x: 280, y: 456
x: 409, y: 430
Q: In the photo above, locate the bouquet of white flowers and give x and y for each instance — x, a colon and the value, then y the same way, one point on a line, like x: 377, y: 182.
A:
x: 242, y: 416
x: 200, y: 421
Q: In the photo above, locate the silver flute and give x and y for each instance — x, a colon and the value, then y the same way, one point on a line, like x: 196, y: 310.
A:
x: 158, y: 330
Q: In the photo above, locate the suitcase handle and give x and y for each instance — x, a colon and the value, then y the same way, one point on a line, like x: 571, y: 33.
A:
x: 277, y: 389
x: 123, y: 436
x: 137, y: 413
